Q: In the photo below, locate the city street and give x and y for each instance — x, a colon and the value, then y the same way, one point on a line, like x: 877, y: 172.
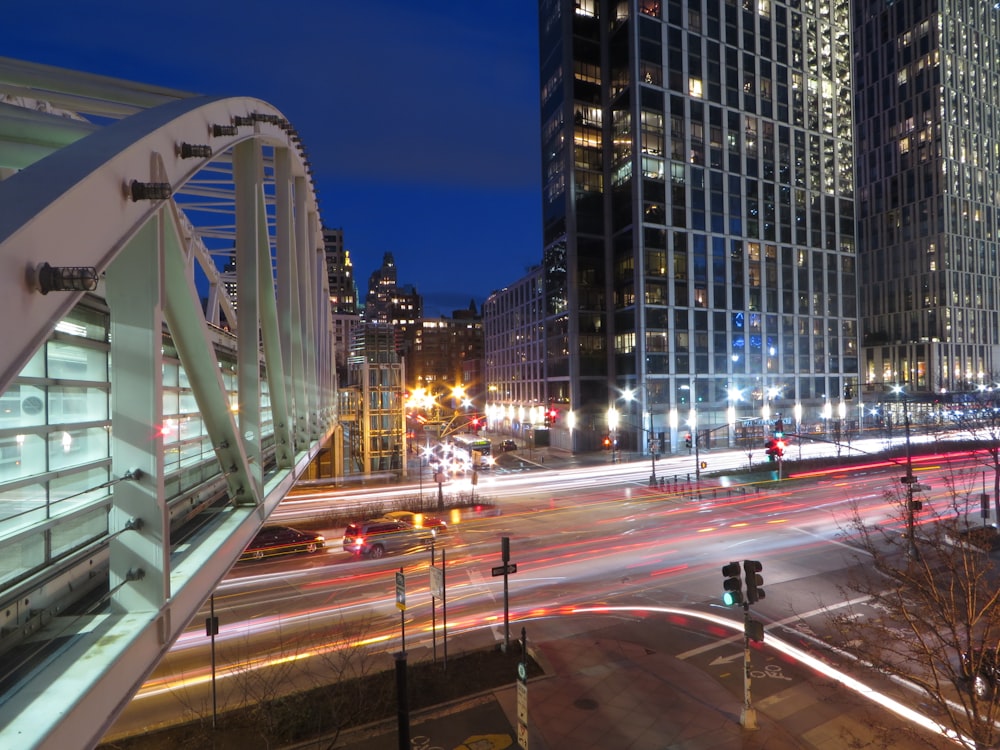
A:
x: 581, y: 538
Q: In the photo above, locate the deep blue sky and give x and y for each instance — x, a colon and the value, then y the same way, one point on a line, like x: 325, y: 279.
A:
x: 420, y: 120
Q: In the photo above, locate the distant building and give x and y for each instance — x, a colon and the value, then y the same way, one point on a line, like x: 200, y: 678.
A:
x: 343, y: 298
x: 389, y: 303
x: 340, y: 271
x: 928, y: 142
x: 698, y: 216
x: 372, y: 404
x: 515, y: 363
x: 447, y: 352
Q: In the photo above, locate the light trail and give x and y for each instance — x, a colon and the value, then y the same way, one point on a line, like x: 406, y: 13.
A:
x: 806, y: 659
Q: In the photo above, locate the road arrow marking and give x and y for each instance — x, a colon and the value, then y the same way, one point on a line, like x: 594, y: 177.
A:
x: 720, y: 660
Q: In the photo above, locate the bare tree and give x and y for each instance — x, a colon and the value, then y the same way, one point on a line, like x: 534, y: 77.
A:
x: 922, y: 609
x: 978, y: 413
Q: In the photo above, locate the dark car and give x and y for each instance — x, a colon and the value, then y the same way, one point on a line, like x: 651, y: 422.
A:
x: 508, y: 445
x: 983, y: 669
x: 282, y: 540
x: 377, y: 536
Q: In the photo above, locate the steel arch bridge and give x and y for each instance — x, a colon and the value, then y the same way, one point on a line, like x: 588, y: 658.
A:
x: 166, y: 373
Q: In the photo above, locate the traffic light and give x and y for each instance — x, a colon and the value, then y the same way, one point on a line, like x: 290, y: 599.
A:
x: 770, y: 448
x: 552, y: 415
x: 607, y: 443
x: 779, y: 428
x: 752, y: 570
x: 732, y: 594
x: 753, y: 630
x: 779, y: 448
x: 687, y: 440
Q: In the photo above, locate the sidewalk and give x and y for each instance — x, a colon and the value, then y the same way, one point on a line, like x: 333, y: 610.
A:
x: 604, y: 693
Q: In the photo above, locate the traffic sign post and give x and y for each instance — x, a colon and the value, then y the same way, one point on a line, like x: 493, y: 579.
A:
x: 505, y: 570
x: 522, y: 693
x: 401, y: 606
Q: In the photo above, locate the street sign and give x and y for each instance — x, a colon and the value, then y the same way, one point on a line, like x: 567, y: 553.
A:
x: 400, y: 591
x: 508, y: 569
x: 921, y: 487
x: 522, y: 735
x: 908, y: 480
x: 437, y: 582
x: 522, y: 702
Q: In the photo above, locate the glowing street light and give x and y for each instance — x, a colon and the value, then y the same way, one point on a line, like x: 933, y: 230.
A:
x: 613, y: 431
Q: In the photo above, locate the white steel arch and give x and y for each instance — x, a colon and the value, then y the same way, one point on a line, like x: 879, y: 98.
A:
x: 166, y: 196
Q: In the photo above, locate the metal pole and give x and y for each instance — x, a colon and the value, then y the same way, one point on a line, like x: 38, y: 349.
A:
x: 402, y: 709
x: 434, y: 645
x: 211, y: 613
x: 505, y: 558
x: 748, y: 716
x: 402, y: 624
x: 444, y: 609
x: 910, y: 530
x: 697, y: 459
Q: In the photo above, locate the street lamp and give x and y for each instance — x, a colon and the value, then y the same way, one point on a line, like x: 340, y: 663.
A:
x: 841, y: 414
x: 693, y: 425
x: 613, y: 431
x: 629, y: 395
x: 797, y: 412
x: 909, y: 479
x: 734, y: 395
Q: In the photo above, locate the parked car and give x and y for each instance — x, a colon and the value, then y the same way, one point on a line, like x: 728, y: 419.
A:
x: 377, y: 536
x: 282, y: 540
x: 507, y: 445
x: 420, y: 521
x: 983, y: 669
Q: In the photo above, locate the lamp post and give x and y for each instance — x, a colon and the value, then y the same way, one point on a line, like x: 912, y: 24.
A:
x: 629, y: 395
x: 797, y: 412
x: 613, y: 432
x: 735, y: 395
x: 693, y: 424
x: 841, y: 414
x: 909, y: 480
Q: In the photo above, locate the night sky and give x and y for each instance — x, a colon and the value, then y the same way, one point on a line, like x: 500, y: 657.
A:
x: 420, y: 120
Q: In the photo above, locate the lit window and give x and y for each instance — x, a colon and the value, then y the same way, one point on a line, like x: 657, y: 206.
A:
x: 694, y: 87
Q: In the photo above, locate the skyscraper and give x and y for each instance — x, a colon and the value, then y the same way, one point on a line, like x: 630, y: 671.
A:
x: 698, y: 209
x: 928, y: 140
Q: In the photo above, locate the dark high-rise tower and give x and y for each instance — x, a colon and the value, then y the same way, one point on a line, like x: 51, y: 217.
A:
x: 928, y: 139
x: 698, y: 207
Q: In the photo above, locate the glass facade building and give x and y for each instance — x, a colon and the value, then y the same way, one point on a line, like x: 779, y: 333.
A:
x: 56, y: 443
x: 928, y: 139
x: 698, y: 209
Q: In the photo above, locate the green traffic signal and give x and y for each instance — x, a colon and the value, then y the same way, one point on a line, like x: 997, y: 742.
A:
x: 732, y: 585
